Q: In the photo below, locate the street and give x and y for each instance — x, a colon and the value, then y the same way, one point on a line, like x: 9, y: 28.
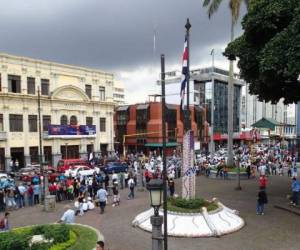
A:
x: 277, y: 229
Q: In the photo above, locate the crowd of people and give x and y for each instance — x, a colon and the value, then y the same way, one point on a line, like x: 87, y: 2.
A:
x: 86, y: 193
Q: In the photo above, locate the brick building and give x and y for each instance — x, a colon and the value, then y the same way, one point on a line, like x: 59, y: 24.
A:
x: 140, y: 127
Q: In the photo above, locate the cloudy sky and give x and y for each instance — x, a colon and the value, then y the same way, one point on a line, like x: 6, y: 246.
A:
x: 115, y: 35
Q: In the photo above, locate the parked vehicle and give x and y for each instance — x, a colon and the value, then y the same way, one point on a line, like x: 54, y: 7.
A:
x: 26, y: 174
x: 81, y: 171
x: 6, y: 181
x: 116, y: 167
x: 65, y: 164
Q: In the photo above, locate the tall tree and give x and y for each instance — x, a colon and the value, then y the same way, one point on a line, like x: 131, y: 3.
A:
x: 235, y: 6
x: 269, y: 50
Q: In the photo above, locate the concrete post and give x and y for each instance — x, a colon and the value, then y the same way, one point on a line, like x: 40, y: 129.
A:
x: 157, y: 239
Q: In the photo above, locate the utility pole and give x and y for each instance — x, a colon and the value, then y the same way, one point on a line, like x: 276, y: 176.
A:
x: 163, y: 104
x: 212, y: 142
x: 41, y: 144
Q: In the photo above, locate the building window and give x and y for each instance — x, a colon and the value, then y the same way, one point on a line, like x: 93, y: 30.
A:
x: 0, y: 83
x: 73, y: 120
x: 15, y: 123
x: 102, y: 124
x: 1, y: 122
x: 45, y: 86
x: 34, y: 155
x: 63, y: 120
x: 30, y: 86
x: 89, y: 121
x: 102, y: 93
x: 46, y: 122
x: 14, y: 84
x: 32, y: 122
x: 88, y: 90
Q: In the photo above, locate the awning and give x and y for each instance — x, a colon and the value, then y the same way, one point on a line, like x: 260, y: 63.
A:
x: 158, y: 145
x: 142, y: 106
x: 123, y: 108
x: 265, y: 123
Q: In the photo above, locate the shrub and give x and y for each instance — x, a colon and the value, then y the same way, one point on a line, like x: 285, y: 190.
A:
x: 67, y: 244
x: 189, y: 204
x: 59, y: 233
x: 13, y: 241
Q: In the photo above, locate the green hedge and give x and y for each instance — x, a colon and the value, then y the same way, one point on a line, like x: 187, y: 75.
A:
x: 19, y: 239
x: 71, y: 237
x: 190, y: 206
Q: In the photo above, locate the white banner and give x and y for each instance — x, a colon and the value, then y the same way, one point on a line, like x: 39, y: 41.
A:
x: 188, y: 169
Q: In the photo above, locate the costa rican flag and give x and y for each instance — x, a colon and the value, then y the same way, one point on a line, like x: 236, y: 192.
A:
x: 184, y: 73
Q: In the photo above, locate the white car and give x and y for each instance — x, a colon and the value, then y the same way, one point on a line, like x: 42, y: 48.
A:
x: 3, y: 176
x: 78, y: 171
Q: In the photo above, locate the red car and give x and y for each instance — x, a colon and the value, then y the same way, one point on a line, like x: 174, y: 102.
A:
x: 65, y: 164
x: 28, y: 176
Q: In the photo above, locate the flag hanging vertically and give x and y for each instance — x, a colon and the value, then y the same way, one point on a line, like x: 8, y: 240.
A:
x: 184, y: 73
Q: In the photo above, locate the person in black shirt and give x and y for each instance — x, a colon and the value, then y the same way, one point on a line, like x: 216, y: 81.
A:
x: 261, y: 201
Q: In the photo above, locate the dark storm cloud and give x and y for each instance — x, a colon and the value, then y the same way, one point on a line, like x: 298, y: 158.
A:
x: 111, y: 35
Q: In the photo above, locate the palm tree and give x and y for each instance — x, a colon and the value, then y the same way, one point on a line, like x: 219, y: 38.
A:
x: 234, y: 5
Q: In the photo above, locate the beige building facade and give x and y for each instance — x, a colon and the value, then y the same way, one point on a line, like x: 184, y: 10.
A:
x: 76, y: 111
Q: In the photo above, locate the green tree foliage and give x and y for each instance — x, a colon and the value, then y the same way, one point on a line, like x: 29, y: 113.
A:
x: 269, y: 49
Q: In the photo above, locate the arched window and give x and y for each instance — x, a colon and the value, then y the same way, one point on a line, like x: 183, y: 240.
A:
x: 73, y: 120
x: 63, y: 120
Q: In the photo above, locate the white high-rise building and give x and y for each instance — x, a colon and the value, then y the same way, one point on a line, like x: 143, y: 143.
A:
x: 119, y: 93
x: 252, y: 110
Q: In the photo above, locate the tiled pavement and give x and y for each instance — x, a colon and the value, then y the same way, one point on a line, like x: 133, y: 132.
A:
x: 277, y: 229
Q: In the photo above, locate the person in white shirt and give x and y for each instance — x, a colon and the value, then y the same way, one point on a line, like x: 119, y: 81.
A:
x: 68, y: 216
x: 262, y: 169
x: 131, y: 185
x: 114, y: 177
x: 90, y: 204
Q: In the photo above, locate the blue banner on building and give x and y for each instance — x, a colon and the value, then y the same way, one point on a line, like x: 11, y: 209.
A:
x: 71, y: 130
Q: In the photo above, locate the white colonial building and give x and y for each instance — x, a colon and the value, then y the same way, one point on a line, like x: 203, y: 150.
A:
x: 76, y: 110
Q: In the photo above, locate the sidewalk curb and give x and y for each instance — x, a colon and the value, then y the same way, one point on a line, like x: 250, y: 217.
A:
x: 287, y: 209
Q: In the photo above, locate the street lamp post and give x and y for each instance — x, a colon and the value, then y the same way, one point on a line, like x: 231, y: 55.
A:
x: 155, y: 187
x: 238, y: 170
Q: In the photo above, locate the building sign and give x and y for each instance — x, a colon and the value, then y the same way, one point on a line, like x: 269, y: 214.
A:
x: 71, y: 130
x: 188, y: 169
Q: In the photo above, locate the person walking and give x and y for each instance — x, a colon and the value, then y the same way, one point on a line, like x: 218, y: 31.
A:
x: 2, y: 198
x: 22, y: 190
x: 30, y: 195
x: 171, y: 187
x: 295, y: 190
x: 106, y: 181
x: 248, y: 170
x: 263, y: 181
x: 36, y: 194
x: 126, y: 178
x: 102, y: 197
x: 80, y: 201
x: 131, y: 186
x: 261, y: 201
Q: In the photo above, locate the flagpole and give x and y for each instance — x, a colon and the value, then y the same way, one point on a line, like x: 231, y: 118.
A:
x: 187, y: 116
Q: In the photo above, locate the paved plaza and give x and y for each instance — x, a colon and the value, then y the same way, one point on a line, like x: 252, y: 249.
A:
x: 277, y: 229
